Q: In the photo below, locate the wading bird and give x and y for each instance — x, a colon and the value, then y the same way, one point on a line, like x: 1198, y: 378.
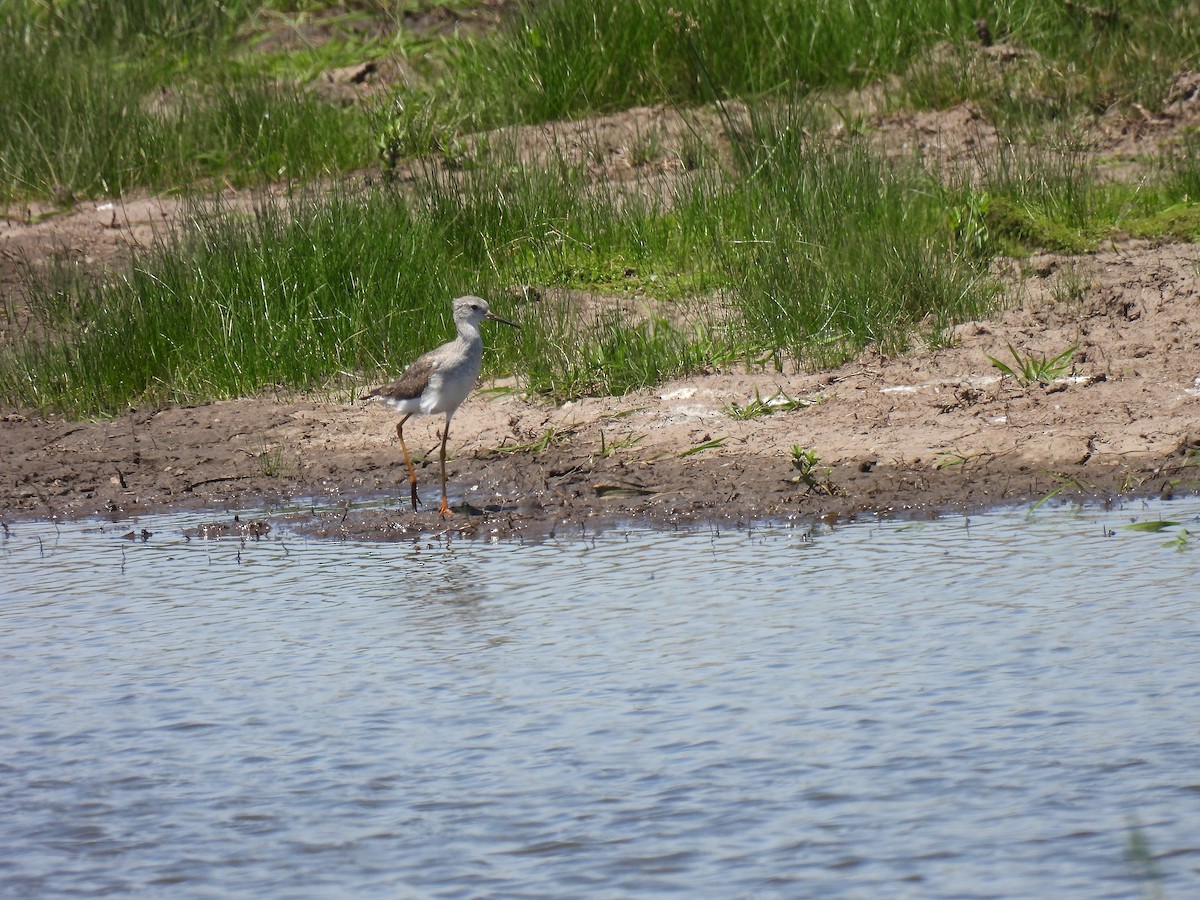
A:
x: 439, y: 381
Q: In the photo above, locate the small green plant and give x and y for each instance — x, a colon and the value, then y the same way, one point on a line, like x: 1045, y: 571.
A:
x: 804, y: 459
x: 646, y: 147
x: 624, y: 413
x: 273, y: 463
x: 970, y: 225
x: 950, y: 458
x: 1154, y: 526
x: 551, y: 437
x: 1063, y: 483
x: 710, y: 444
x: 608, y: 448
x: 1033, y: 369
x: 412, y: 126
x: 777, y: 402
x: 1071, y: 287
x: 1182, y: 539
x: 805, y: 462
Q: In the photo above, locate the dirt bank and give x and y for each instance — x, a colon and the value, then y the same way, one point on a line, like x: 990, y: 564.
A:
x: 928, y: 432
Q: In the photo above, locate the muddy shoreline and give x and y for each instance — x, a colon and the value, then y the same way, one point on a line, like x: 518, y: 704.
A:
x: 584, y: 503
x: 333, y: 470
x: 571, y: 493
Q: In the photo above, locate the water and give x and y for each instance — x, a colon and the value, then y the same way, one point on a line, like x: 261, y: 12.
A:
x: 885, y: 710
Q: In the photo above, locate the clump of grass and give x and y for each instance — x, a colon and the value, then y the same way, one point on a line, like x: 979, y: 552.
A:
x: 610, y: 357
x: 90, y: 88
x: 1180, y: 164
x: 349, y: 282
x: 777, y: 402
x: 1071, y: 286
x: 968, y: 219
x: 707, y: 444
x: 1045, y: 195
x: 141, y: 24
x: 274, y: 462
x: 1060, y: 61
x: 831, y: 249
x: 103, y: 98
x: 551, y: 437
x: 1064, y: 483
x: 815, y: 249
x: 1030, y: 368
x: 284, y: 299
x: 1048, y: 196
x: 561, y: 59
x: 610, y: 447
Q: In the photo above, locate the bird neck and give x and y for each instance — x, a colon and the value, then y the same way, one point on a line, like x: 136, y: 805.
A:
x: 468, y: 332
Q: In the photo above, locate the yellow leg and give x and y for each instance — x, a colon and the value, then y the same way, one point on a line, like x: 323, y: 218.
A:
x: 412, y: 475
x: 445, y: 509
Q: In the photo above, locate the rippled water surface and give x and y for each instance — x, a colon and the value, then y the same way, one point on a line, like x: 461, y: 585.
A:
x: 1003, y: 707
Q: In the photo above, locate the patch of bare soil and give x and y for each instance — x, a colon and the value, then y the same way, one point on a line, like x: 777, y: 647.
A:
x: 932, y: 431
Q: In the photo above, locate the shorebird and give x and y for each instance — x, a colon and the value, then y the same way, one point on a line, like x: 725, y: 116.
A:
x: 439, y: 381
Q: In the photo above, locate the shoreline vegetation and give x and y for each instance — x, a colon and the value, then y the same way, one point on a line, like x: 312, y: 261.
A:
x: 654, y: 190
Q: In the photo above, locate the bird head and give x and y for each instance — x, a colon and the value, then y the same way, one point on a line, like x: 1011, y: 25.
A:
x: 474, y: 310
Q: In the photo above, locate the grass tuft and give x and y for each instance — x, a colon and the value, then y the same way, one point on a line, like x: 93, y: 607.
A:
x: 1030, y: 368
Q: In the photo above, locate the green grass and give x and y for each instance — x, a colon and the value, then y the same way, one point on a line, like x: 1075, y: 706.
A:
x: 79, y: 25
x: 549, y: 438
x: 567, y: 359
x: 805, y: 462
x: 813, y: 251
x: 1030, y: 368
x: 801, y: 247
x: 560, y: 60
x: 816, y: 252
x: 834, y: 249
x: 1051, y: 196
x: 777, y: 402
x: 100, y: 99
x: 242, y: 304
x: 564, y: 58
x: 346, y: 283
x: 1071, y: 59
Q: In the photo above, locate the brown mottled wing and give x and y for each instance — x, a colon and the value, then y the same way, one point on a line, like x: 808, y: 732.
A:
x: 408, y: 385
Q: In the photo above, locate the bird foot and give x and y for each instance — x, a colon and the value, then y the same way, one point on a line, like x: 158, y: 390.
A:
x: 445, y: 510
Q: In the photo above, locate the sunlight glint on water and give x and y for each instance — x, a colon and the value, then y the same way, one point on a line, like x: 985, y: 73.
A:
x: 945, y: 709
